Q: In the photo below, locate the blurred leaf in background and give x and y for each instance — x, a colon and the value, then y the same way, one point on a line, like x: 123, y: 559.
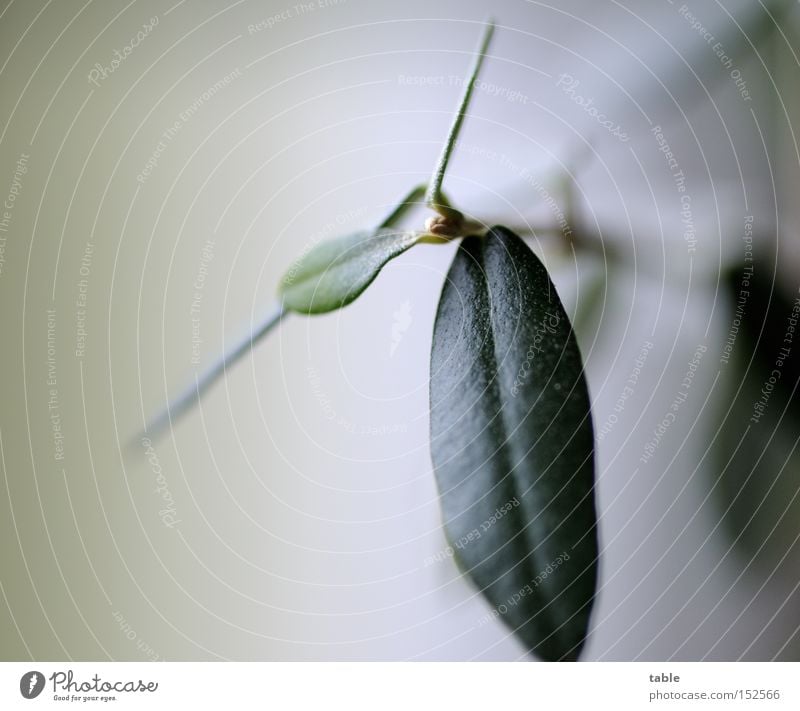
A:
x: 755, y: 453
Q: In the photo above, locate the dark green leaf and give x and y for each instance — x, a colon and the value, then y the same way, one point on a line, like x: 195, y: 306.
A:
x: 755, y: 459
x: 336, y: 272
x: 512, y: 443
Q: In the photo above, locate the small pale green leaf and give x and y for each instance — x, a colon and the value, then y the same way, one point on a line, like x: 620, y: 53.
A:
x: 512, y: 443
x: 337, y: 271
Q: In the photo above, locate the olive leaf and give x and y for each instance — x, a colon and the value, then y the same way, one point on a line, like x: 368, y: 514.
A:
x: 512, y: 443
x: 336, y: 272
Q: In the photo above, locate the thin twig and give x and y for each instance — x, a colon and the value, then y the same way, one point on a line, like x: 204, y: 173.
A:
x: 157, y: 426
x: 194, y: 392
x: 434, y: 198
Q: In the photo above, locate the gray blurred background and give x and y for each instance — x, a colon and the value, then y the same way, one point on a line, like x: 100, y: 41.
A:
x: 154, y: 197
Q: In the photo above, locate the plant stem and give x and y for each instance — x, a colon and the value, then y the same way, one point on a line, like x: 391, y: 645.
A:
x: 434, y: 198
x: 404, y: 206
x: 194, y: 392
